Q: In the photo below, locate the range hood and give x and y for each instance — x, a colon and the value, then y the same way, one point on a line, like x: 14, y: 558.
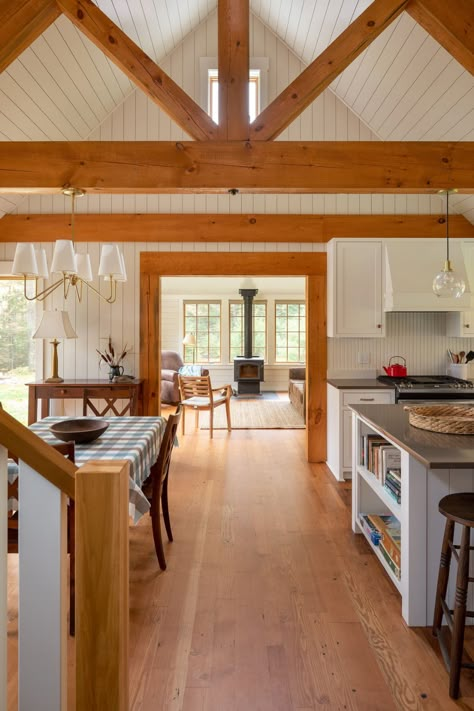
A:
x: 410, y: 266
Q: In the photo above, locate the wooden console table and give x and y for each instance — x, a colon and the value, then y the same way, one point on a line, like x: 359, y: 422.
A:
x: 74, y: 390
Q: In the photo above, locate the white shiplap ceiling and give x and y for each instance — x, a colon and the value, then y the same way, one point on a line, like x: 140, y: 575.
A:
x: 405, y: 86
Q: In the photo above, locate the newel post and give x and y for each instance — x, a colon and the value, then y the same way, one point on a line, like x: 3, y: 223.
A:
x: 102, y: 606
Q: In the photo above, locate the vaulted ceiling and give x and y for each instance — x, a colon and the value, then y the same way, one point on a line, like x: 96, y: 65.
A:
x: 404, y: 86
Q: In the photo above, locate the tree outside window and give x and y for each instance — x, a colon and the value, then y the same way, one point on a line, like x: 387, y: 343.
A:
x: 17, y: 348
x: 290, y: 332
x: 203, y: 319
x: 259, y: 328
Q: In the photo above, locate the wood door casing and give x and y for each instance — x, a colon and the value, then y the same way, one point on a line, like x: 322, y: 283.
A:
x: 154, y: 265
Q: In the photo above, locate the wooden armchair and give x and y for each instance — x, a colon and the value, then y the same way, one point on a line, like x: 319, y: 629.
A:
x: 198, y: 394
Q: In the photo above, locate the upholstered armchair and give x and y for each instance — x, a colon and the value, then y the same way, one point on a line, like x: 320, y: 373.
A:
x: 171, y: 362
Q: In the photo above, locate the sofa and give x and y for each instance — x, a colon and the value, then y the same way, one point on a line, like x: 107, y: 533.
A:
x: 171, y: 362
x: 297, y: 390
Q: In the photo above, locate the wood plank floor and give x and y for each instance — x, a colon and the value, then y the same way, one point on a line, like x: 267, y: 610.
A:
x: 269, y: 602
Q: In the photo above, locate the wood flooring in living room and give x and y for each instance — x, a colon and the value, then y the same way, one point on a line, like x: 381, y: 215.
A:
x: 269, y: 602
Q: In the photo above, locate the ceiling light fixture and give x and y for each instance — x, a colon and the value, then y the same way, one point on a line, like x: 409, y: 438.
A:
x: 447, y: 283
x: 75, y: 269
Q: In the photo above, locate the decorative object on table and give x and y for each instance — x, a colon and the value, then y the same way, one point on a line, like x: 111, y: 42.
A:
x: 113, y: 358
x: 55, y: 324
x: 189, y: 341
x: 75, y: 268
x: 79, y: 430
x: 397, y: 370
x: 447, y: 283
x: 446, y: 419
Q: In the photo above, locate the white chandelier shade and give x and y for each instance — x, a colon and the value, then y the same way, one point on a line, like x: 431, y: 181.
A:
x: 74, y: 268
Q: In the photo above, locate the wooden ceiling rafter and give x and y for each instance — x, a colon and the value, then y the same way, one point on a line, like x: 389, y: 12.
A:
x: 317, y: 76
x: 449, y: 23
x: 247, y: 228
x: 258, y: 166
x: 233, y: 69
x: 21, y: 22
x: 140, y: 69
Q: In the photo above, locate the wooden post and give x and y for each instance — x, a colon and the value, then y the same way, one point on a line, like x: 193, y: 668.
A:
x: 233, y: 68
x: 3, y: 577
x: 316, y: 366
x: 102, y: 604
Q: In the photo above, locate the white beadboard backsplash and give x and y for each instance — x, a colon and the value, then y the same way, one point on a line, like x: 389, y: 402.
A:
x: 419, y: 337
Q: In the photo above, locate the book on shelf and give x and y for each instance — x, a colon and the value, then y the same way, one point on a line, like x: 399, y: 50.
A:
x: 394, y: 493
x: 391, y: 459
x: 368, y: 442
x: 370, y: 529
x: 389, y: 560
x: 389, y: 527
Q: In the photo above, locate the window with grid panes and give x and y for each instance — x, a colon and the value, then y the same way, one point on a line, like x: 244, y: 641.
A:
x: 290, y: 332
x: 203, y: 319
x: 236, y: 329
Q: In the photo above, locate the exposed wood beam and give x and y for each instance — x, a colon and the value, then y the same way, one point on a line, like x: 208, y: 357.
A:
x: 451, y: 24
x: 140, y: 68
x: 259, y: 167
x: 21, y: 22
x: 228, y: 228
x: 320, y: 73
x: 233, y: 69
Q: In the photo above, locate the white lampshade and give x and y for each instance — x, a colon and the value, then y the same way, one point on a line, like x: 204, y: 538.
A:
x: 55, y: 324
x: 189, y: 339
x: 43, y: 270
x: 117, y: 277
x: 64, y: 259
x: 110, y: 263
x: 84, y: 269
x: 24, y: 261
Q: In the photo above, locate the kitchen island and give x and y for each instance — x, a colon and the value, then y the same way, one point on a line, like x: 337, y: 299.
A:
x: 431, y: 466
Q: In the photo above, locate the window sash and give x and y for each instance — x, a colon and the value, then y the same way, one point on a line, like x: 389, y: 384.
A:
x: 290, y: 331
x: 204, y: 320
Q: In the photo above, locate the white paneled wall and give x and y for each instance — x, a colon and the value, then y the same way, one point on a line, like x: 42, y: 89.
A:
x: 419, y: 337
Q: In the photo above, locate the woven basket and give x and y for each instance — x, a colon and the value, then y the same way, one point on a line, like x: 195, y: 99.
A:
x: 447, y: 419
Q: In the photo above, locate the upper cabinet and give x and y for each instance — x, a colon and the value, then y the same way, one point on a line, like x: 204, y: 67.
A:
x: 355, y: 289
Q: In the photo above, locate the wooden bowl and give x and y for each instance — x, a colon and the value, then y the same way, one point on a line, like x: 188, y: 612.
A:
x: 81, y: 430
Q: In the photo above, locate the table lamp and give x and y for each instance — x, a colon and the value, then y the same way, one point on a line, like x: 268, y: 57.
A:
x: 55, y: 324
x: 190, y: 341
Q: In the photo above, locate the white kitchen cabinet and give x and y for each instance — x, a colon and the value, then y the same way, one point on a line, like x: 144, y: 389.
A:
x: 355, y: 289
x: 339, y: 430
x: 460, y: 324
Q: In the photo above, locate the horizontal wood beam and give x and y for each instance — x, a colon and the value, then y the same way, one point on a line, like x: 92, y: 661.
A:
x: 451, y: 24
x: 140, y: 69
x: 242, y: 263
x: 228, y: 228
x: 233, y: 68
x: 256, y: 167
x: 21, y: 22
x: 319, y: 74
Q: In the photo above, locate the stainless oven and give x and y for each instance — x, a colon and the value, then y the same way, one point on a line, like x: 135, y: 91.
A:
x: 430, y: 389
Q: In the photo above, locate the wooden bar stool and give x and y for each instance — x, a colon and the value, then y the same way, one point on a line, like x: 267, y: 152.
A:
x: 458, y: 508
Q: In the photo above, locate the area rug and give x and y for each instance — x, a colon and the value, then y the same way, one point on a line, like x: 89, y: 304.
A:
x: 265, y: 414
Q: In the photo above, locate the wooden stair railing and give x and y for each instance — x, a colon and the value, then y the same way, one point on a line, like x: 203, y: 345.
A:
x: 100, y: 491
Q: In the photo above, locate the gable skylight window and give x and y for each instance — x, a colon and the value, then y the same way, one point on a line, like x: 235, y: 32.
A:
x: 213, y: 94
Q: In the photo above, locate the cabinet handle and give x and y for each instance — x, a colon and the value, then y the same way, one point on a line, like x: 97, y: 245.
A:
x: 467, y: 325
x: 379, y: 325
x: 367, y: 399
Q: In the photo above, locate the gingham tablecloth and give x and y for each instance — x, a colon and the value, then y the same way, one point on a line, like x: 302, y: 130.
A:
x: 136, y: 439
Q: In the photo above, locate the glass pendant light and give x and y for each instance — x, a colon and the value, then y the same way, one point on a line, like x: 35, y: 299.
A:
x: 447, y: 283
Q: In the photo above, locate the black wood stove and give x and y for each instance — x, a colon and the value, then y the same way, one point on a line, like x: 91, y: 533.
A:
x: 248, y: 369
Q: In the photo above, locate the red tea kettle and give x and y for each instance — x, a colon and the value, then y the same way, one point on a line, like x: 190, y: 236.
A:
x: 397, y: 370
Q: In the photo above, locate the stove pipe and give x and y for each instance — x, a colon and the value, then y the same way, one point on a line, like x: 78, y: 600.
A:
x: 248, y: 295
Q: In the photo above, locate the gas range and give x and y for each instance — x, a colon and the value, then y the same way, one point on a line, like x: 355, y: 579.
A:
x: 429, y: 387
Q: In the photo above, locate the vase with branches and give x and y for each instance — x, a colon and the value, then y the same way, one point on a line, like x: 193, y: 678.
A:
x: 113, y: 358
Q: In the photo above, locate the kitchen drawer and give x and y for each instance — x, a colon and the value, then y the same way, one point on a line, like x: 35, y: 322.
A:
x: 369, y: 397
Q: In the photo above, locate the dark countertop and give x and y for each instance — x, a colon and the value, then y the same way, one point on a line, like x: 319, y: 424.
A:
x: 433, y: 449
x: 358, y: 384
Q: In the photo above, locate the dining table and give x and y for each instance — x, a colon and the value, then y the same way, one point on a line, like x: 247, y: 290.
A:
x: 135, y: 439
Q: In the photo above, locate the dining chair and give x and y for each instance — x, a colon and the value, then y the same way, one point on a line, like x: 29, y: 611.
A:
x: 198, y: 394
x: 158, y: 490
x: 126, y: 393
x: 67, y: 449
